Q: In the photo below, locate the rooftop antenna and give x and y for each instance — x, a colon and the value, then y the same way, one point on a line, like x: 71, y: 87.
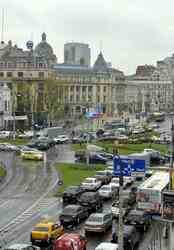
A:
x: 101, y: 45
x: 2, y: 28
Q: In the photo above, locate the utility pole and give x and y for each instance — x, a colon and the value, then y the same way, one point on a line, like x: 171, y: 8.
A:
x: 120, y: 222
x: 171, y: 185
x: 13, y: 113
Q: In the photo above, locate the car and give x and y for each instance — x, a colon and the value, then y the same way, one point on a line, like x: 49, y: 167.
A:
x: 107, y: 155
x: 97, y: 158
x: 5, y: 134
x: 131, y: 237
x: 72, y: 215
x: 80, y: 140
x: 70, y: 241
x: 98, y: 222
x: 22, y: 246
x: 91, y: 184
x: 71, y: 194
x: 116, y: 211
x: 90, y: 200
x: 130, y: 196
x: 32, y: 154
x: 61, y: 139
x: 26, y: 135
x: 107, y: 246
x: 108, y: 191
x: 103, y: 176
x: 8, y: 147
x: 46, y: 232
x: 139, y: 219
x: 128, y: 180
x: 115, y: 182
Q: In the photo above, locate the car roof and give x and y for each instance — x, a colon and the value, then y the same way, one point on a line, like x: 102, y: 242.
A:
x: 136, y: 212
x: 90, y: 178
x: 99, y: 215
x: 69, y: 236
x: 73, y: 206
x: 18, y: 246
x: 107, y: 246
x: 44, y: 223
x: 89, y: 194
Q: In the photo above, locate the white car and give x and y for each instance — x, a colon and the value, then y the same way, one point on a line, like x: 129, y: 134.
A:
x: 61, y: 139
x: 115, y: 181
x: 4, y: 134
x: 107, y: 246
x: 108, y: 191
x: 91, y: 184
x: 128, y: 180
x: 26, y: 134
x: 8, y: 147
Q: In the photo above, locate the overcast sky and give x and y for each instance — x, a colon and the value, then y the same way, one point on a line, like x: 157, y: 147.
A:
x: 132, y: 32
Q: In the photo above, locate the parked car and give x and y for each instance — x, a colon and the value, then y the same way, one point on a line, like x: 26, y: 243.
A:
x: 108, y: 191
x: 8, y: 147
x: 139, y: 219
x: 104, y: 176
x: 46, y: 231
x: 91, y: 184
x: 98, y: 222
x: 70, y: 241
x: 71, y: 194
x: 131, y: 237
x: 79, y: 139
x: 22, y: 246
x: 90, y: 200
x: 61, y: 139
x: 26, y: 135
x: 107, y: 246
x: 32, y: 154
x: 5, y: 134
x: 72, y: 215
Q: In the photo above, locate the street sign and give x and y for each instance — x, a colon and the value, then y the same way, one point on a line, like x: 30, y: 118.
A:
x: 127, y: 167
x: 122, y: 166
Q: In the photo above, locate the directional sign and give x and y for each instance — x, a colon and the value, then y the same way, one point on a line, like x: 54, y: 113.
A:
x: 126, y: 166
x: 122, y: 167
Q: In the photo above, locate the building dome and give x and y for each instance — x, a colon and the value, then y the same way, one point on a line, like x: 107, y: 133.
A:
x: 45, y: 50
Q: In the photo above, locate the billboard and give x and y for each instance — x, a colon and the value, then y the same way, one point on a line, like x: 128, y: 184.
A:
x: 129, y: 167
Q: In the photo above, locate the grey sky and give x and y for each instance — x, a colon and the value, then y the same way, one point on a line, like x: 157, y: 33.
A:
x: 132, y: 32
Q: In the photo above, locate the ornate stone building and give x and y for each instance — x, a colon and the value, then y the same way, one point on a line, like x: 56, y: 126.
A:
x: 97, y: 88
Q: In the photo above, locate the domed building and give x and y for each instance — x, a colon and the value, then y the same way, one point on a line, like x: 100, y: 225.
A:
x: 44, y: 49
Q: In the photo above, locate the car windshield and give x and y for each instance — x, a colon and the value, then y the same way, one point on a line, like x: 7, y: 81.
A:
x: 70, y: 210
x: 105, y: 188
x: 41, y: 229
x: 100, y: 173
x: 95, y: 218
x: 89, y: 181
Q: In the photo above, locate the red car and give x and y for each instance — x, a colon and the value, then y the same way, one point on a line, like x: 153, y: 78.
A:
x: 70, y: 242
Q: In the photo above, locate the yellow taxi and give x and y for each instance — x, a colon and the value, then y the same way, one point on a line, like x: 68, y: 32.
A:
x: 32, y: 154
x: 46, y: 232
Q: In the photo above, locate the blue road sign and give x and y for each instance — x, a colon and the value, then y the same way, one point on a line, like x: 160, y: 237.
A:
x: 126, y: 166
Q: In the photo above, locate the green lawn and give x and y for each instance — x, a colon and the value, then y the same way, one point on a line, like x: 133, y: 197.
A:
x: 17, y: 141
x: 2, y: 172
x: 74, y: 174
x: 125, y: 148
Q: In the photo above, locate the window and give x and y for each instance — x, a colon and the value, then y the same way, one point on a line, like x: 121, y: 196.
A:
x: 20, y: 74
x: 72, y: 88
x: 9, y: 74
x: 104, y: 89
x: 1, y: 74
x: 77, y: 88
x: 41, y: 74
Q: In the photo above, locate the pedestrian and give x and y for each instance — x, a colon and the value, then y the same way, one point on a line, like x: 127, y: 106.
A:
x: 114, y: 225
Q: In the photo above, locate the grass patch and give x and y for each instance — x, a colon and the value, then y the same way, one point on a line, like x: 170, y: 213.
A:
x: 17, y: 141
x: 125, y: 148
x: 2, y: 172
x: 74, y: 174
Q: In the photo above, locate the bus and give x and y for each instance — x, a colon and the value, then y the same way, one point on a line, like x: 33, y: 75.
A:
x: 149, y: 193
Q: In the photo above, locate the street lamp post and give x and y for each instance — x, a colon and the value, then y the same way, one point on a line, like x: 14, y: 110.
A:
x: 120, y: 222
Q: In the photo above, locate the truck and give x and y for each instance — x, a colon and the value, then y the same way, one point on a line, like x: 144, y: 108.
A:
x: 53, y: 132
x: 149, y: 193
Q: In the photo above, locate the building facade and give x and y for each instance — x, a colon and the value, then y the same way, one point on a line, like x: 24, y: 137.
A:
x: 5, y: 104
x: 98, y: 88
